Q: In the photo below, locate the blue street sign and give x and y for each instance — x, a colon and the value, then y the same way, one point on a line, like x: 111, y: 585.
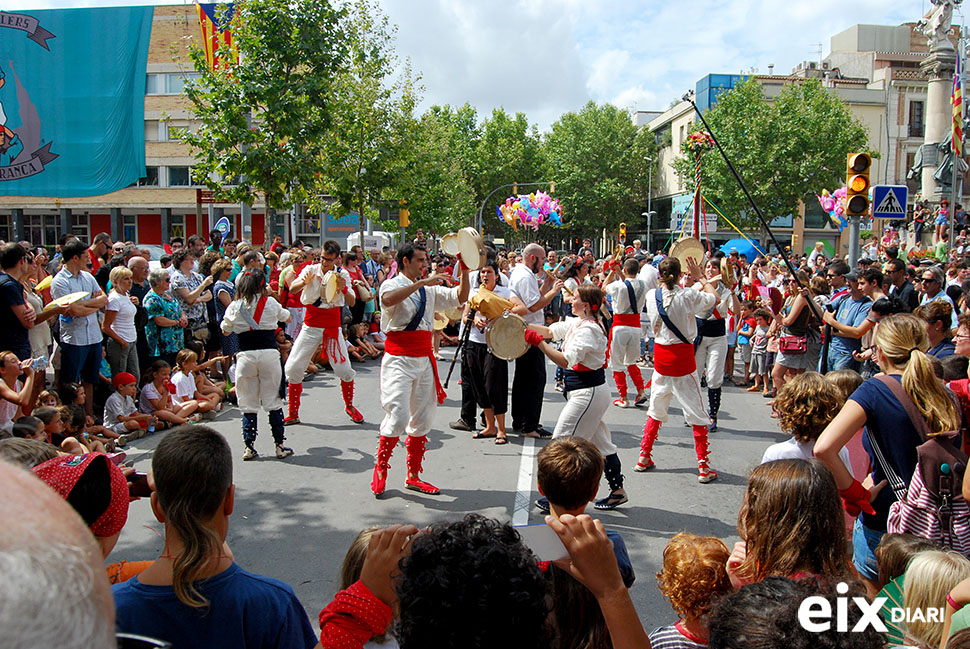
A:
x: 889, y: 201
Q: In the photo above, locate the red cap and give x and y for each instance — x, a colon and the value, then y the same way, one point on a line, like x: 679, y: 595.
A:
x: 123, y: 378
x: 63, y: 473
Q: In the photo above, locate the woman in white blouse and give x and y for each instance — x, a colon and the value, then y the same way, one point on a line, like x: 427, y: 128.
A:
x: 119, y: 324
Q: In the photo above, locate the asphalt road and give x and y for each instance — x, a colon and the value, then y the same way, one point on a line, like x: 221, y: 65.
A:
x: 295, y: 518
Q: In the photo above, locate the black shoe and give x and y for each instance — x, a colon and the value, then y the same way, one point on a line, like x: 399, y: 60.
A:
x: 703, y: 381
x: 612, y: 501
x: 461, y: 424
x: 543, y: 504
x: 543, y: 433
x: 712, y: 427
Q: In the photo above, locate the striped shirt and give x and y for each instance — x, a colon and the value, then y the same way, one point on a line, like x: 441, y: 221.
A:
x: 669, y: 637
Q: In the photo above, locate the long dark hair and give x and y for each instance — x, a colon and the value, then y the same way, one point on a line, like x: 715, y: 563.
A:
x: 250, y: 285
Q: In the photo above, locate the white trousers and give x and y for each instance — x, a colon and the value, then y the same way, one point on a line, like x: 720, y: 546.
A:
x: 295, y: 325
x: 687, y: 389
x: 711, y: 355
x: 304, y: 348
x: 624, y: 347
x: 582, y: 416
x: 407, y: 396
x: 258, y: 375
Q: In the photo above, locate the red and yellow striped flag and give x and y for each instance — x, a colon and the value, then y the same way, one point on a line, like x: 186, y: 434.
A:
x: 217, y: 42
x: 957, y: 100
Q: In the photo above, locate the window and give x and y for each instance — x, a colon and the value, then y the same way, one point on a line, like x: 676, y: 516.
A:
x: 129, y: 227
x: 680, y: 140
x: 151, y: 130
x: 155, y: 84
x: 170, y: 83
x: 80, y: 227
x: 178, y: 177
x: 6, y: 227
x: 150, y: 179
x: 910, y: 161
x: 916, y: 125
x: 172, y: 128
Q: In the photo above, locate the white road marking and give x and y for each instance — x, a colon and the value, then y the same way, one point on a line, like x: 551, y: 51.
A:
x: 523, y: 491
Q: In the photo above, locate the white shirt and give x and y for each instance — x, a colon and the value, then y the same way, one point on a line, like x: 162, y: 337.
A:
x: 795, y: 450
x: 649, y: 274
x: 124, y: 322
x: 525, y: 286
x: 313, y: 287
x: 682, y: 306
x: 620, y: 297
x: 723, y: 304
x: 184, y: 387
x: 478, y: 336
x: 234, y: 322
x: 116, y: 406
x: 583, y: 342
x: 397, y: 317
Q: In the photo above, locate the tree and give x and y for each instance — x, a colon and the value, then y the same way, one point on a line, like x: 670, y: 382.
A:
x: 598, y: 159
x: 440, y: 196
x: 785, y: 150
x: 366, y: 151
x: 264, y: 118
x: 509, y: 150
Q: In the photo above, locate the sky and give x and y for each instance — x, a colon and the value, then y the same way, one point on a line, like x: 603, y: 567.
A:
x: 547, y: 57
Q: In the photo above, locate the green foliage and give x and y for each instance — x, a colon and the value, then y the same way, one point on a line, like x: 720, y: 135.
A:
x: 785, y: 150
x: 598, y: 159
x: 264, y: 119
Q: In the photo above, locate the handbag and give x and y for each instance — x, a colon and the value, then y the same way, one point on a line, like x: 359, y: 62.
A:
x: 932, y: 506
x: 793, y: 344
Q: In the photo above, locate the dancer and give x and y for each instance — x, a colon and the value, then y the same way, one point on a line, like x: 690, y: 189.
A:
x: 711, y: 344
x: 672, y: 312
x: 253, y: 317
x: 583, y: 357
x: 627, y: 296
x: 409, y: 374
x: 321, y: 324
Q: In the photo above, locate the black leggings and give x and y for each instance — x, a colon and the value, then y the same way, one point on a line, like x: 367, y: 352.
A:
x: 489, y: 377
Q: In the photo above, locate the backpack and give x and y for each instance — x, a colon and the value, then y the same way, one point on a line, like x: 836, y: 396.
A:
x: 932, y: 507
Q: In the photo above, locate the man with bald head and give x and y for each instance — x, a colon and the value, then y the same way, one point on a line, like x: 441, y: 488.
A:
x: 49, y: 557
x: 530, y: 298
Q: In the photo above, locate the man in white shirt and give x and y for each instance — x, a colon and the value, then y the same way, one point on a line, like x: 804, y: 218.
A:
x: 410, y: 390
x: 530, y: 298
x: 627, y: 295
x: 648, y: 275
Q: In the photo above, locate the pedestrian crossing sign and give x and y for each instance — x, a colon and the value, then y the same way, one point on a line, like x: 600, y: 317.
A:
x: 889, y: 201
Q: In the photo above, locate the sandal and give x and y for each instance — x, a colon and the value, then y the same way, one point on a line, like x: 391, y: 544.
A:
x: 501, y: 440
x: 479, y: 435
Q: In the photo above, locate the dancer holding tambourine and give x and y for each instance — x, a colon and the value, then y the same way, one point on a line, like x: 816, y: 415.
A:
x: 672, y: 311
x: 583, y: 356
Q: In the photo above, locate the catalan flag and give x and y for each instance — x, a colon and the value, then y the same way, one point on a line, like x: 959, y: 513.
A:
x: 957, y: 100
x: 215, y: 21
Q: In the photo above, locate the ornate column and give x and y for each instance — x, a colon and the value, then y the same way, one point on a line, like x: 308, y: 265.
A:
x: 938, y: 69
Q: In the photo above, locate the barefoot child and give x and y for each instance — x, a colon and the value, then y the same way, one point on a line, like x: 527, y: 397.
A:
x: 156, y: 398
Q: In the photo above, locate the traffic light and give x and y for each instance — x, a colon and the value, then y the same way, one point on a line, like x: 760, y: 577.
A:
x: 857, y: 184
x: 403, y: 217
x: 623, y: 233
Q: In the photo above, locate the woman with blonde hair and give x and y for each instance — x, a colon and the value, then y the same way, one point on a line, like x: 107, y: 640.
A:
x: 119, y: 324
x: 900, y: 345
x: 930, y: 577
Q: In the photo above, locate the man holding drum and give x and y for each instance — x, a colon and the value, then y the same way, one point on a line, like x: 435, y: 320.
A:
x: 672, y: 310
x: 321, y: 324
x: 627, y: 296
x: 410, y: 390
x: 711, y: 347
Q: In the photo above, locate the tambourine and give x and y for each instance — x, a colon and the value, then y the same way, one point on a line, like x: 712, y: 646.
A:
x: 471, y: 248
x: 330, y: 286
x: 449, y: 244
x: 505, y: 336
x: 440, y: 321
x: 66, y: 300
x: 688, y: 248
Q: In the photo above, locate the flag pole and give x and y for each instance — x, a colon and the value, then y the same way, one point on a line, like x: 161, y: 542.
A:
x: 956, y: 143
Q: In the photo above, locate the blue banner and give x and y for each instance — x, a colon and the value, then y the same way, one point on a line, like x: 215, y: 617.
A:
x: 72, y: 100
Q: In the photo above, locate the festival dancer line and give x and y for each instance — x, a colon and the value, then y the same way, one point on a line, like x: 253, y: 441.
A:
x: 672, y: 310
x: 711, y: 346
x: 627, y: 296
x: 254, y: 317
x: 410, y: 391
x: 583, y: 356
x: 321, y: 324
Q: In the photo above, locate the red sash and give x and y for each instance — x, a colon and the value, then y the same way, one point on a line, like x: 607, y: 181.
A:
x: 626, y: 320
x: 326, y: 319
x: 579, y: 367
x: 674, y: 360
x: 415, y: 344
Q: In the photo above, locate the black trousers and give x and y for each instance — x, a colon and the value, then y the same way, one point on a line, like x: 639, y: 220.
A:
x: 468, y: 410
x: 489, y: 378
x: 528, y: 388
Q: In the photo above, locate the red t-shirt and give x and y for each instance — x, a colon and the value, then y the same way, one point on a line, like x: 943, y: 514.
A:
x: 95, y: 261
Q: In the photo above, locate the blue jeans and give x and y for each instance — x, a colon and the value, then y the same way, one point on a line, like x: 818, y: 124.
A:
x: 864, y: 542
x: 80, y: 363
x: 842, y: 360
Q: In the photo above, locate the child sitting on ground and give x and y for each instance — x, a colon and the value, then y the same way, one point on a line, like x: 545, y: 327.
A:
x: 120, y: 412
x: 805, y: 406
x: 759, y: 351
x: 72, y: 394
x: 568, y: 475
x: 358, y: 333
x: 55, y: 422
x: 48, y: 398
x: 29, y: 427
x: 156, y: 396
x: 205, y: 384
x: 693, y: 578
x: 186, y: 389
x: 375, y: 336
x: 74, y: 428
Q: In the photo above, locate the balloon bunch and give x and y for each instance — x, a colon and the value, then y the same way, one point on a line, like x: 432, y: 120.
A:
x: 834, y: 204
x: 530, y: 210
